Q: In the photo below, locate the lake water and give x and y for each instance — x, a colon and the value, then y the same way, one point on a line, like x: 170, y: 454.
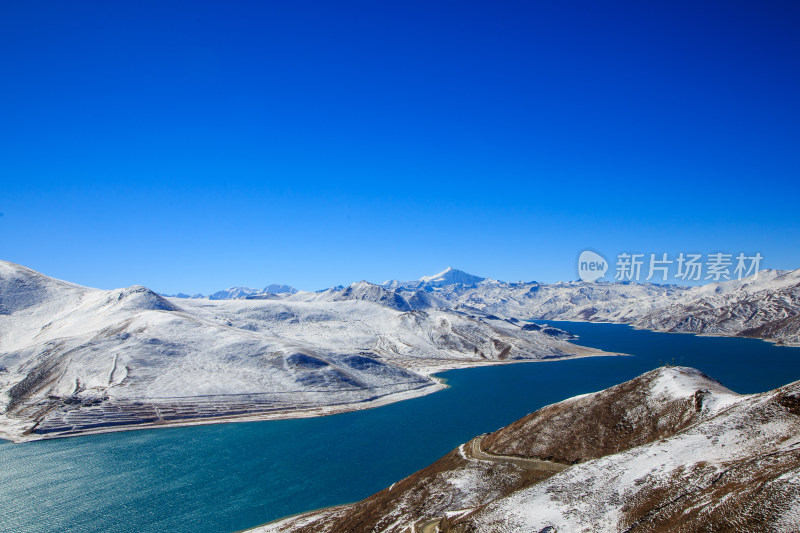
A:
x: 227, y: 477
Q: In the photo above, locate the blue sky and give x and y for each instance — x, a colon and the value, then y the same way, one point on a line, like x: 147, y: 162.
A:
x: 191, y: 146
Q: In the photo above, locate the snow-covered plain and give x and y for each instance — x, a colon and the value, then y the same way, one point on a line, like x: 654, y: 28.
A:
x: 75, y: 359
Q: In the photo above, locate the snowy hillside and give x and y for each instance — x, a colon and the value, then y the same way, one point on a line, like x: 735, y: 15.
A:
x: 532, y: 300
x: 766, y: 306
x: 75, y: 359
x: 671, y: 450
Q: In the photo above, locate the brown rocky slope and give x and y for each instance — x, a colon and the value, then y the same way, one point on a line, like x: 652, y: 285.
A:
x: 672, y: 450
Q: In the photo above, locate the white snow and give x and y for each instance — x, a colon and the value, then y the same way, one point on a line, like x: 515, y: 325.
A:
x: 589, y: 496
x: 311, y: 349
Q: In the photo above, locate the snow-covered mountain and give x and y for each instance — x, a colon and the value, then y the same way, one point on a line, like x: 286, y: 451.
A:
x: 276, y: 288
x: 766, y: 306
x: 400, y: 299
x: 449, y: 276
x: 235, y: 293
x: 671, y: 450
x: 74, y: 359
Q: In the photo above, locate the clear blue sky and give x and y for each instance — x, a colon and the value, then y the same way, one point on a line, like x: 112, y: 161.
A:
x: 191, y: 146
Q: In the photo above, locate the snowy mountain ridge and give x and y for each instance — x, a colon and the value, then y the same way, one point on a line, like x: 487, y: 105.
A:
x: 766, y: 305
x: 235, y: 293
x: 64, y: 347
x: 450, y: 276
x: 75, y: 359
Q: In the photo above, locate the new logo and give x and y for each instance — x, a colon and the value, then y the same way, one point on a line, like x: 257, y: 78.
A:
x: 591, y: 266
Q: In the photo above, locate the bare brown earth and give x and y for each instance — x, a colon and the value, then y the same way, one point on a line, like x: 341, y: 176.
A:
x: 607, y: 422
x: 752, y: 490
x: 457, y: 492
x: 475, y: 450
x: 421, y: 498
x: 755, y: 487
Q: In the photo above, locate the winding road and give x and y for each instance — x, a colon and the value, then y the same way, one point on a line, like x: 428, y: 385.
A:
x: 526, y: 463
x: 472, y: 450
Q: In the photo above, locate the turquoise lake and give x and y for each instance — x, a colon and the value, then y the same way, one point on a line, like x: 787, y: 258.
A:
x: 228, y: 477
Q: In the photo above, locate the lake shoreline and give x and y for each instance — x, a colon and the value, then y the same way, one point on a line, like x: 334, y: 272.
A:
x: 261, y: 473
x: 15, y: 433
x: 775, y: 342
x: 12, y: 431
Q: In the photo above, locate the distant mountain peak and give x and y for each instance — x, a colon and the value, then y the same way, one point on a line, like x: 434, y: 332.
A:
x: 366, y: 291
x: 451, y: 276
x: 443, y: 273
x: 240, y: 293
x: 277, y: 288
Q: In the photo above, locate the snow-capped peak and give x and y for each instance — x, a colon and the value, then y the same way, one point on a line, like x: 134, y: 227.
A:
x: 451, y: 276
x: 277, y: 288
x: 440, y: 275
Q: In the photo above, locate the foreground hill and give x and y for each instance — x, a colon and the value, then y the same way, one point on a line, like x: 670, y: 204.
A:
x: 671, y: 450
x: 75, y: 359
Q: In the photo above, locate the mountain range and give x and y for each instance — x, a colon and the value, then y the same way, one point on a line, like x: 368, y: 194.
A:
x: 766, y: 305
x: 235, y: 293
x: 75, y: 359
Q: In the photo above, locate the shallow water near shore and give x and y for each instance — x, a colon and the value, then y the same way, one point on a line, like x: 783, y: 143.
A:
x: 227, y: 477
